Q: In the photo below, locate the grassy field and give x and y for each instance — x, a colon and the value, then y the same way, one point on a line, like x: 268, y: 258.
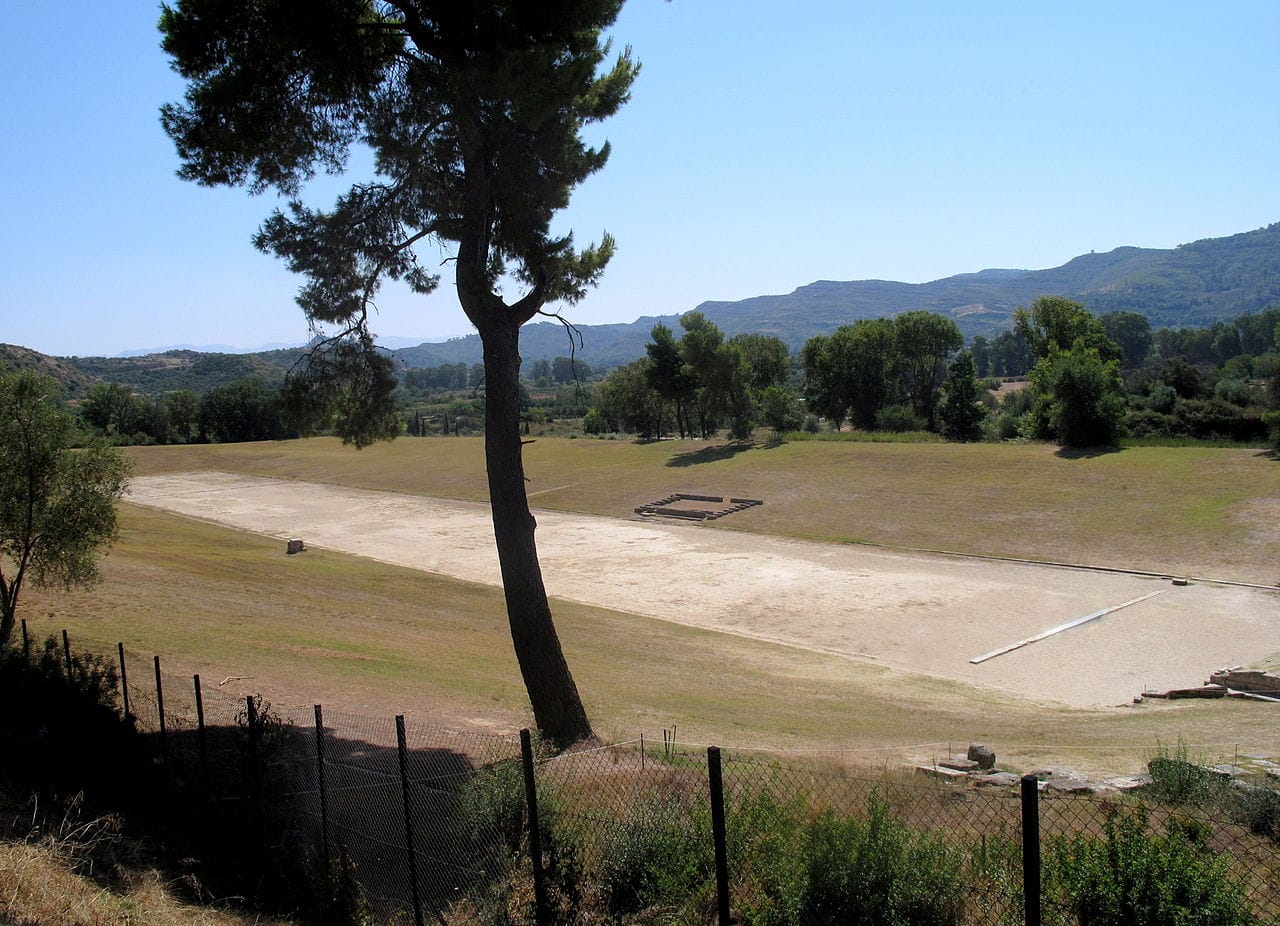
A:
x: 1198, y: 511
x: 374, y: 639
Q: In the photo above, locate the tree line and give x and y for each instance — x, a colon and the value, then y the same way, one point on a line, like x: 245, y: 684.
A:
x: 1092, y: 379
x: 244, y: 410
x: 696, y: 384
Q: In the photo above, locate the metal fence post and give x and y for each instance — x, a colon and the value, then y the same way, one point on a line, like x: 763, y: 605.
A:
x: 124, y: 681
x: 164, y: 735
x: 1031, y: 849
x: 535, y: 829
x: 718, y: 835
x: 66, y: 652
x: 402, y: 749
x: 204, y: 747
x: 324, y: 797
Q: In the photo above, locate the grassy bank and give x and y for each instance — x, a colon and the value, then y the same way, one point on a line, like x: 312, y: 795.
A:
x: 1183, y: 510
x: 365, y: 637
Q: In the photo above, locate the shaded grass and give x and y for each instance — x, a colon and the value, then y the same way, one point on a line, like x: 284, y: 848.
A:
x: 1181, y: 510
x: 375, y: 639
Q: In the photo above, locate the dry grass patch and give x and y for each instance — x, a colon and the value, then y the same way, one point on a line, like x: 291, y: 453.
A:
x: 39, y: 887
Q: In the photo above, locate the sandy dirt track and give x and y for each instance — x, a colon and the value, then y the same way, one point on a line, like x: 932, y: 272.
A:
x: 925, y: 614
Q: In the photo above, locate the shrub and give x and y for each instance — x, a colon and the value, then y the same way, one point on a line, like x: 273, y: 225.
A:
x: 1259, y: 809
x: 1162, y: 398
x: 1145, y: 422
x: 898, y: 418
x: 1214, y: 418
x: 1179, y: 781
x: 1008, y: 427
x: 659, y: 858
x: 872, y: 871
x: 1272, y: 420
x: 1234, y: 391
x: 1131, y: 877
x: 594, y: 422
x: 810, y: 425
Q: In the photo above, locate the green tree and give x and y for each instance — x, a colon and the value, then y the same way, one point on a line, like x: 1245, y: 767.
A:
x: 1010, y: 354
x: 665, y: 373
x: 1079, y: 397
x: 851, y: 371
x: 824, y: 388
x: 1132, y: 334
x: 767, y: 358
x: 183, y: 408
x: 627, y: 401
x: 1055, y: 321
x: 708, y: 367
x: 962, y: 412
x: 57, y: 506
x: 474, y: 113
x: 540, y: 373
x: 923, y: 344
x: 242, y: 411
x: 778, y: 409
x: 111, y: 408
x: 981, y: 349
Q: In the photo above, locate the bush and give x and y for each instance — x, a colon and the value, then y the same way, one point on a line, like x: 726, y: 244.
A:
x: 1179, y: 781
x: 873, y: 871
x: 1215, y: 418
x: 659, y: 858
x: 1272, y: 421
x: 1134, y: 878
x: 898, y: 419
x: 810, y: 425
x: 1260, y: 810
x: 595, y: 423
x: 1145, y: 422
x: 1235, y: 391
x: 1008, y: 427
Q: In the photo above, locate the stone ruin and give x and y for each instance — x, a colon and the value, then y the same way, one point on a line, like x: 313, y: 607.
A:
x: 977, y: 767
x: 664, y: 507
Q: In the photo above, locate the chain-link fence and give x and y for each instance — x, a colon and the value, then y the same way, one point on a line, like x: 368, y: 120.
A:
x: 434, y: 826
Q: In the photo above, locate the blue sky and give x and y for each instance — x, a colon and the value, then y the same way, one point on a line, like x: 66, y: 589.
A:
x: 843, y: 140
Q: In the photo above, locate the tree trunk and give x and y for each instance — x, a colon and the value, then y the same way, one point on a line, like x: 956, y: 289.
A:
x: 557, y: 708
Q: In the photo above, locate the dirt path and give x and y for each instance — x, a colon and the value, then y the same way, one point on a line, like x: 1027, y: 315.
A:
x: 928, y: 614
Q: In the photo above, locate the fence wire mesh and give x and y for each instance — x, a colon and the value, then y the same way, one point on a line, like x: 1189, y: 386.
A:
x: 627, y: 830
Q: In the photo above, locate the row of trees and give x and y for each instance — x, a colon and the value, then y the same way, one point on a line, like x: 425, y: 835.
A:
x: 245, y: 410
x: 864, y: 369
x: 696, y: 384
x: 1247, y: 336
x: 1092, y: 379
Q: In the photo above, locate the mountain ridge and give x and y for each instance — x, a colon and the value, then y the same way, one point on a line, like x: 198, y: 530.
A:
x: 1194, y: 284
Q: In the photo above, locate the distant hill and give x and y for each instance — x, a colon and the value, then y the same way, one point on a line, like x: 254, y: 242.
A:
x: 74, y: 383
x: 153, y: 373
x: 1193, y: 284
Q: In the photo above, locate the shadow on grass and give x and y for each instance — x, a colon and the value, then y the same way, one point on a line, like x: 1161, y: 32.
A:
x: 1085, y: 453
x: 710, y: 454
x: 1272, y: 455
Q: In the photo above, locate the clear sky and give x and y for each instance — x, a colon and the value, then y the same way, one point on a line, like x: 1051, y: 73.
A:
x: 767, y: 145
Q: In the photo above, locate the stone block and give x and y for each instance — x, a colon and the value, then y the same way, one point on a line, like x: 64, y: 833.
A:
x: 983, y: 754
